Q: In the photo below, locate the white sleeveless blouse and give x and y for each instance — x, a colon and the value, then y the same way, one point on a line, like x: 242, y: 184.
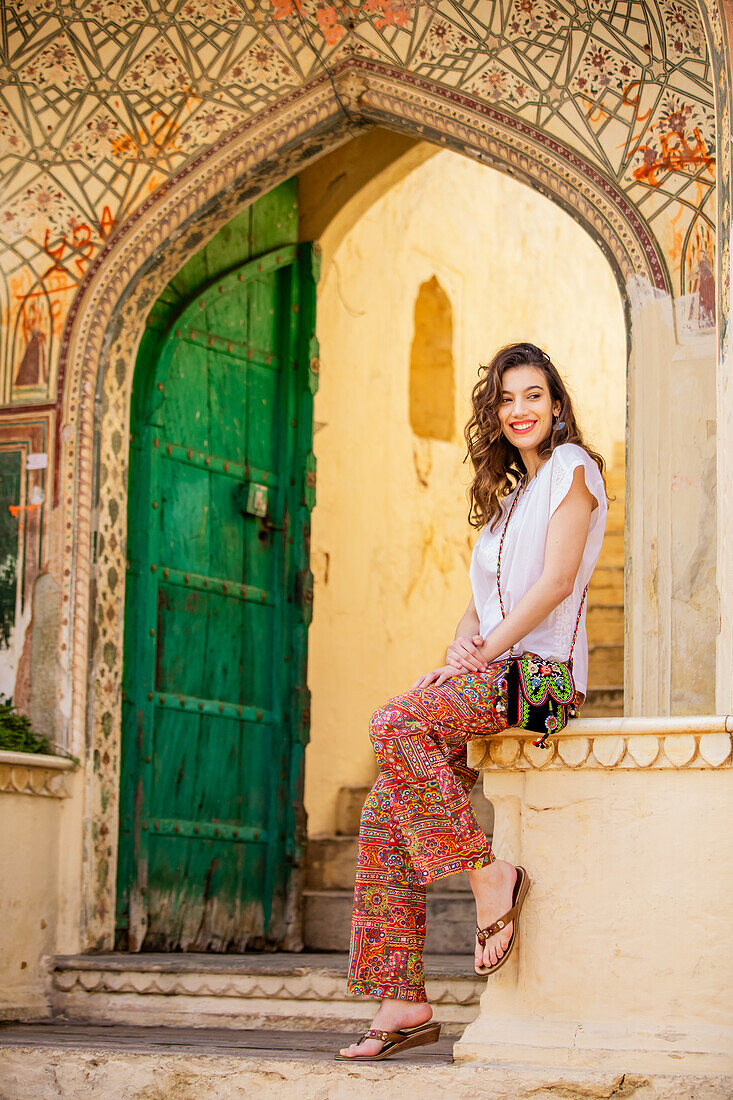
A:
x: 523, y: 554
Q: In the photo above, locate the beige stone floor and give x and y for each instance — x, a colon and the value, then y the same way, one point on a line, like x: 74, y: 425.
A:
x: 58, y: 1060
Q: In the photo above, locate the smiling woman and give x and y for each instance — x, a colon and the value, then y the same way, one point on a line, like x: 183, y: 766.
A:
x: 512, y: 430
x: 417, y: 824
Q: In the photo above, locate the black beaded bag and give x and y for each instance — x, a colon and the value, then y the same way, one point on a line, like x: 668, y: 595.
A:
x: 540, y: 694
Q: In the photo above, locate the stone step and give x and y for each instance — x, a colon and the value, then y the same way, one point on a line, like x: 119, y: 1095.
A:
x: 612, y: 550
x: 605, y: 623
x: 285, y: 990
x: 331, y: 863
x: 350, y: 800
x: 603, y: 702
x: 615, y: 520
x: 51, y: 1061
x: 616, y: 481
x: 349, y: 803
x: 607, y: 584
x: 451, y: 920
x: 606, y: 664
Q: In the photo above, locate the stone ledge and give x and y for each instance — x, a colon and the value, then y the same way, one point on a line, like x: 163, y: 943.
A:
x: 34, y: 773
x: 95, y: 1070
x: 675, y: 742
x: 237, y: 991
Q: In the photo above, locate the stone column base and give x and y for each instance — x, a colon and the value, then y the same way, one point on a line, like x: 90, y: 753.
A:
x: 625, y: 953
x: 634, y: 1047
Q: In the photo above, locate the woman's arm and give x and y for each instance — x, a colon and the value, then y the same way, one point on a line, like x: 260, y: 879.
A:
x: 469, y: 624
x: 567, y: 533
x: 463, y: 650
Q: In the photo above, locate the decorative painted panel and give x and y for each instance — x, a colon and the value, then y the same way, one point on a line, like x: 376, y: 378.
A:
x: 103, y: 101
x: 23, y: 474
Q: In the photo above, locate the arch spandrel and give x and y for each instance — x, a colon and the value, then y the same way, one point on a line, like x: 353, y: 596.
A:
x: 628, y: 88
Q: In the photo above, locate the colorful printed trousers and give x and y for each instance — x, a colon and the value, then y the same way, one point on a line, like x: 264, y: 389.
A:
x: 417, y: 824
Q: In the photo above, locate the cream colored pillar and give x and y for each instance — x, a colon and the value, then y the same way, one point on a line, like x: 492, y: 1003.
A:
x: 625, y: 956
x: 724, y: 557
x: 671, y: 603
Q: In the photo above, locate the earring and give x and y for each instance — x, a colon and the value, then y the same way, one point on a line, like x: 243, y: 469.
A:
x: 558, y: 425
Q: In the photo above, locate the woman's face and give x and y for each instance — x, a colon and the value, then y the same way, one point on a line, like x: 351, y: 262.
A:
x: 525, y: 407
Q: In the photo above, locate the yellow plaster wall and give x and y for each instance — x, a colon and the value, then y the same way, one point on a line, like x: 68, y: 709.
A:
x: 390, y: 539
x: 29, y: 839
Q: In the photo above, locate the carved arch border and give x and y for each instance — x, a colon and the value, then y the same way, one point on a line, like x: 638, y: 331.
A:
x: 108, y: 317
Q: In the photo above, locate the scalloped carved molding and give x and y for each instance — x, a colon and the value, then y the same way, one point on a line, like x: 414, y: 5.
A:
x: 28, y: 773
x: 312, y: 985
x: 607, y: 750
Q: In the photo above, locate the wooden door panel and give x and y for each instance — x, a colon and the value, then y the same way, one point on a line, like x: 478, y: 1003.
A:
x: 212, y: 751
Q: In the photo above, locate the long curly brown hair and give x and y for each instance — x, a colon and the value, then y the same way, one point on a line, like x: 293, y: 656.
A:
x: 497, y: 463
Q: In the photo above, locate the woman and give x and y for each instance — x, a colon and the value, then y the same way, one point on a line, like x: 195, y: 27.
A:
x: 417, y: 825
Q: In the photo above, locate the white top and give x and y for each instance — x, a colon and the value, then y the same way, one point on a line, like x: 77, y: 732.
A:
x: 523, y: 554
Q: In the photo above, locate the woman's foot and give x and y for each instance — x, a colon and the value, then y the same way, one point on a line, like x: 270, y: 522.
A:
x: 391, y: 1016
x: 493, y: 889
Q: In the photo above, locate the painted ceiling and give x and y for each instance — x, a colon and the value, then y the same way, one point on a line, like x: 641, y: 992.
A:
x: 103, y: 101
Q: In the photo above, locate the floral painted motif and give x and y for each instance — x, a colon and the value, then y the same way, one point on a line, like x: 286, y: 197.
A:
x: 36, y: 7
x: 199, y: 12
x: 603, y: 69
x: 117, y: 11
x: 496, y: 83
x: 528, y: 17
x: 56, y: 66
x: 207, y: 124
x: 682, y: 29
x: 417, y: 824
x: 100, y: 138
x: 11, y: 136
x: 442, y: 38
x: 158, y: 70
x: 42, y: 207
x: 261, y: 64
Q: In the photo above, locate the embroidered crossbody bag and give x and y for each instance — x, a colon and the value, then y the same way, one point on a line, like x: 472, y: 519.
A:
x: 540, y: 693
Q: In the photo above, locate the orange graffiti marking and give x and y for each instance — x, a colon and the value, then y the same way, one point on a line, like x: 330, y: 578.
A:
x: 392, y: 13
x: 55, y: 253
x: 675, y: 250
x: 592, y: 105
x: 284, y: 8
x: 331, y: 29
x: 162, y: 131
x: 15, y: 509
x: 629, y: 102
x: 674, y: 157
x: 106, y: 223
x: 80, y: 244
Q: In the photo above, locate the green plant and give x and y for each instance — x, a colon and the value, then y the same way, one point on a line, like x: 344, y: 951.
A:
x: 16, y: 732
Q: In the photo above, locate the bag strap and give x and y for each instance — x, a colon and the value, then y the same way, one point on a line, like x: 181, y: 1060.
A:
x: 522, y: 486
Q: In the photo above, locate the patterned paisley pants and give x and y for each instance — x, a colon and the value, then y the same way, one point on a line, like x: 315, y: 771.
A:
x: 417, y: 824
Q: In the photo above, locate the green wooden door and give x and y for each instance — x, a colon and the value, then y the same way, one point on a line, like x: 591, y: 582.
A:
x: 215, y: 712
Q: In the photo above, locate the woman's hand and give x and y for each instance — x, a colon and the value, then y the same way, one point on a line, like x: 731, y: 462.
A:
x: 463, y: 653
x: 438, y: 676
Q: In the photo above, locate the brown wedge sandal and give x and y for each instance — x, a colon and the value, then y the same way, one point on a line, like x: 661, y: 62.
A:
x: 521, y: 888
x: 395, y: 1041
